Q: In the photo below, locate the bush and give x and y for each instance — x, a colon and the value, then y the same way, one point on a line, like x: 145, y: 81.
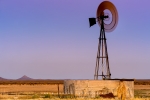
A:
x: 47, y: 96
x: 35, y: 96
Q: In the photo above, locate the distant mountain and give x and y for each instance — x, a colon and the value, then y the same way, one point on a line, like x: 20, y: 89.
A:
x: 25, y: 78
x: 2, y: 79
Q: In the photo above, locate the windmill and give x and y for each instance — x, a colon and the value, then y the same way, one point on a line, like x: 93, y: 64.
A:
x: 107, y: 18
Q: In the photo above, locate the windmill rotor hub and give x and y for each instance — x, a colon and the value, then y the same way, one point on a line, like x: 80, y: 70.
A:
x: 103, y: 17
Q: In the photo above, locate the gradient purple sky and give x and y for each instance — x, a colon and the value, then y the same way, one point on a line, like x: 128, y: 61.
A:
x: 51, y: 39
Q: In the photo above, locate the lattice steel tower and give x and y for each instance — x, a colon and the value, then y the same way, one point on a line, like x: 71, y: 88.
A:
x: 102, y: 55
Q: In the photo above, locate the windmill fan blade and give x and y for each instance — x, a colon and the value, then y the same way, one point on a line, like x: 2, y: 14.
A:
x: 109, y: 9
x: 92, y: 21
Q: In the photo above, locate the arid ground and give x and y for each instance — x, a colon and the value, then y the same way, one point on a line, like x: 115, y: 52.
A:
x: 33, y: 89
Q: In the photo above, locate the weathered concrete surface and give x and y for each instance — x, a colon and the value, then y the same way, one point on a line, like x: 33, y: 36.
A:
x: 105, y: 88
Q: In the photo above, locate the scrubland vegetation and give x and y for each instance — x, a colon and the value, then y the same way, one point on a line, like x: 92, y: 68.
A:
x: 55, y: 96
x: 30, y: 82
x: 48, y: 90
x: 49, y: 97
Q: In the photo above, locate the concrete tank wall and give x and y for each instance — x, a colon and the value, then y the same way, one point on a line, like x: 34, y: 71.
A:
x: 93, y: 88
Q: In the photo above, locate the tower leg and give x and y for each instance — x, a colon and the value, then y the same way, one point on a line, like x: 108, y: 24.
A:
x: 102, y: 62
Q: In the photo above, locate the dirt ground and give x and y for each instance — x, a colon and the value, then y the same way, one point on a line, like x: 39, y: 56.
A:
x: 31, y: 88
x: 137, y: 87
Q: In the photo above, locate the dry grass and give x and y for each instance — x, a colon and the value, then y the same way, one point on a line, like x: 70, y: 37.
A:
x: 137, y: 87
x: 38, y: 97
x: 76, y: 99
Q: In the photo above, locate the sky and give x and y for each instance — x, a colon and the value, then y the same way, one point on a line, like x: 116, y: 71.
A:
x: 51, y: 39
